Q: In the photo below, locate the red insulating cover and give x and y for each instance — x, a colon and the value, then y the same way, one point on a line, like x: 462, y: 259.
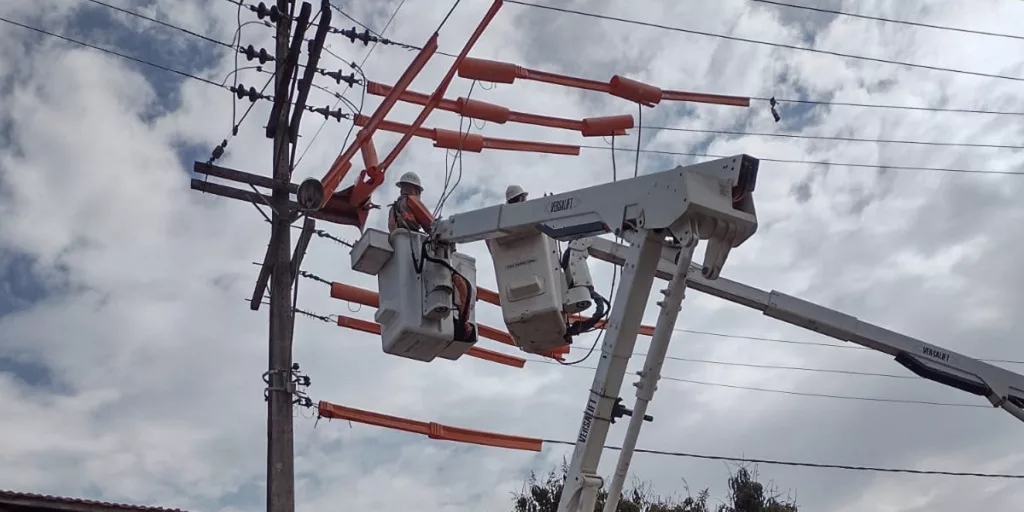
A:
x: 483, y: 110
x: 606, y: 126
x: 450, y: 139
x: 635, y: 91
x: 488, y: 70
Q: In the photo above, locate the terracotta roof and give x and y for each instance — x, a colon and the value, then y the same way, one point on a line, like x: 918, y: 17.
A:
x: 43, y: 501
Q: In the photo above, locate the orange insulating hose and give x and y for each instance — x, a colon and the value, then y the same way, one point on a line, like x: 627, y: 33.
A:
x: 476, y: 109
x: 349, y: 293
x: 429, y: 429
x: 632, y: 90
x: 373, y: 177
x: 343, y: 162
x: 475, y: 143
x: 479, y: 353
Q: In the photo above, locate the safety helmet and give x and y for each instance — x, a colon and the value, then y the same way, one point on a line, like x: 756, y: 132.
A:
x: 514, y: 191
x: 410, y: 178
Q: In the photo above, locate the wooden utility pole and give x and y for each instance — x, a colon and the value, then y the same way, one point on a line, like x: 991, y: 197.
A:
x: 280, y: 267
x: 280, y: 435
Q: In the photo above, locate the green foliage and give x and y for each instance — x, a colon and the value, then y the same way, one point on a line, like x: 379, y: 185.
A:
x: 746, y: 494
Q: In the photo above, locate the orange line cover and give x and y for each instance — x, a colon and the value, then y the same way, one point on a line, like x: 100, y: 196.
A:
x: 476, y: 109
x: 429, y: 429
x: 632, y: 90
x: 371, y: 178
x: 477, y: 352
x: 449, y: 139
x: 349, y: 293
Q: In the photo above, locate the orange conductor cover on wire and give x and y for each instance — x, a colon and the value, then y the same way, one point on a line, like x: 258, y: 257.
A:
x: 371, y: 178
x: 371, y: 299
x: 449, y: 139
x: 431, y: 430
x: 646, y: 330
x: 479, y: 353
x: 476, y: 109
x: 632, y: 90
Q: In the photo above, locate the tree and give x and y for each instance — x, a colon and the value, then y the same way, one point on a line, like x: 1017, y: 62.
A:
x: 746, y: 494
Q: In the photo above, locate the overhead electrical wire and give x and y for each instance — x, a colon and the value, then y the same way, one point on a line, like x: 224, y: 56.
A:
x: 446, y: 193
x: 359, y: 69
x: 188, y: 75
x: 834, y: 137
x: 112, y: 52
x: 811, y: 343
x: 142, y: 61
x: 638, y: 150
x: 766, y: 43
x: 799, y: 393
x: 816, y: 162
x: 331, y: 320
x: 788, y: 368
x: 835, y: 103
x: 888, y: 20
x: 777, y: 462
x: 163, y: 23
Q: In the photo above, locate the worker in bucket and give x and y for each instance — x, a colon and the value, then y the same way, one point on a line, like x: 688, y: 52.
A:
x: 408, y: 212
x: 515, y: 194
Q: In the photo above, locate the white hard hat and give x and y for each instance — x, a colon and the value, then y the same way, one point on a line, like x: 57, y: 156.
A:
x: 410, y: 178
x: 514, y: 191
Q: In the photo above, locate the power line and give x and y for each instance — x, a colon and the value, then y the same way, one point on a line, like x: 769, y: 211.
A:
x: 776, y: 462
x: 892, y: 107
x: 324, y: 234
x: 799, y: 393
x: 767, y: 43
x: 380, y: 40
x: 836, y: 138
x: 112, y: 52
x: 849, y: 346
x: 831, y: 103
x: 828, y: 395
x: 146, y: 62
x: 791, y: 368
x: 815, y: 162
x: 250, y: 53
x: 767, y: 390
x: 888, y: 20
x: 168, y: 25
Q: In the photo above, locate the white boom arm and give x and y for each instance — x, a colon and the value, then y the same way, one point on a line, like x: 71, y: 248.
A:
x: 676, y: 208
x: 714, y: 197
x: 1002, y: 387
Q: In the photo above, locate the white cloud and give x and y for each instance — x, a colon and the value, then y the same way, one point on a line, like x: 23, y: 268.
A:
x: 156, y: 359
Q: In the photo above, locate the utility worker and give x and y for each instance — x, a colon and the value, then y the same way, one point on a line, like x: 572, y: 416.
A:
x: 515, y: 194
x: 407, y: 211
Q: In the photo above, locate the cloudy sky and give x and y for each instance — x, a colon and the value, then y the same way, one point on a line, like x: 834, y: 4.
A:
x: 130, y: 365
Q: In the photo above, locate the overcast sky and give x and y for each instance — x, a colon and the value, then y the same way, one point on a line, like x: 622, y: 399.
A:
x: 130, y: 365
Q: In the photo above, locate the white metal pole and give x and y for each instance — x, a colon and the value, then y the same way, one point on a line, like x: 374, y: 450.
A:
x: 1012, y: 408
x: 582, y: 482
x: 648, y: 383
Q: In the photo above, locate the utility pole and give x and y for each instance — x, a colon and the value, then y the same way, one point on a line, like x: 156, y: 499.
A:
x: 280, y: 434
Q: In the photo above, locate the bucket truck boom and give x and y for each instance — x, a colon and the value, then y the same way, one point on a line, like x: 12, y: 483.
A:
x: 664, y: 211
x: 1001, y: 387
x: 663, y: 216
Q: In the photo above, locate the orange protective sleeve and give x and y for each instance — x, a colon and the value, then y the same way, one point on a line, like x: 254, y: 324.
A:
x: 479, y: 353
x: 370, y: 179
x: 431, y: 430
x: 343, y: 163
